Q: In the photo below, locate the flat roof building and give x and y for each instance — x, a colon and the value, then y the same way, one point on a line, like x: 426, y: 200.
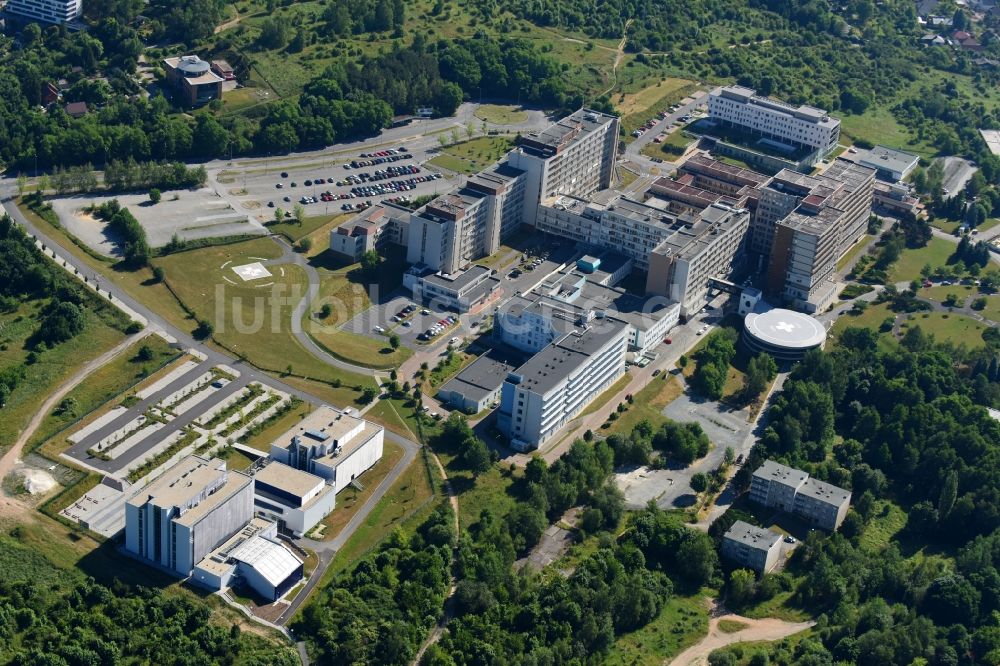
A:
x: 380, y: 225
x: 478, y: 385
x: 187, y: 512
x: 46, y: 11
x: 469, y: 290
x: 253, y: 555
x: 337, y: 446
x: 890, y: 164
x: 791, y: 490
x: 558, y: 382
x: 799, y: 126
x: 575, y: 156
x: 193, y: 80
x: 295, y: 499
x: 752, y: 547
x: 784, y: 334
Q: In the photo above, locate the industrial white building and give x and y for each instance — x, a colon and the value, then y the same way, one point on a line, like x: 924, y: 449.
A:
x: 801, y: 125
x: 47, y: 11
x: 296, y: 500
x: 752, y: 547
x: 337, y: 446
x: 187, y: 512
x: 253, y: 556
x: 558, y: 382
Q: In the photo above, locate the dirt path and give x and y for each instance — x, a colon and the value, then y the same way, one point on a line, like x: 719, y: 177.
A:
x: 9, y: 459
x: 449, y: 602
x: 619, y: 55
x: 767, y: 629
x: 228, y: 24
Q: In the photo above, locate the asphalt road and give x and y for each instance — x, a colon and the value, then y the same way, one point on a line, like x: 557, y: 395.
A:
x: 247, y: 372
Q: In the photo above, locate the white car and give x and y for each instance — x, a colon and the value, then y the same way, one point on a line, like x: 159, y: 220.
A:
x: 379, y: 329
x: 454, y: 341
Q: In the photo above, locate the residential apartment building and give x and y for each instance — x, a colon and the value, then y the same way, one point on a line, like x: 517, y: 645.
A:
x: 575, y: 156
x: 193, y: 507
x: 791, y: 490
x: 558, y: 382
x: 753, y: 547
x: 294, y: 499
x: 373, y: 229
x: 800, y: 126
x: 46, y: 11
x: 336, y: 446
x: 807, y: 242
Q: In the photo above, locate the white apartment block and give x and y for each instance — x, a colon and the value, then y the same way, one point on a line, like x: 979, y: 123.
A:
x: 187, y: 512
x: 575, y: 156
x: 752, y: 547
x: 801, y: 125
x: 47, y: 11
x: 791, y: 490
x: 336, y: 446
x: 558, y: 382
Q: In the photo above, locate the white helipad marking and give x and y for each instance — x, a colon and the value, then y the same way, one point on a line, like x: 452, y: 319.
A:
x: 259, y: 258
x: 253, y: 271
x: 785, y: 326
x: 226, y: 264
x: 228, y: 280
x: 266, y: 284
x: 281, y: 269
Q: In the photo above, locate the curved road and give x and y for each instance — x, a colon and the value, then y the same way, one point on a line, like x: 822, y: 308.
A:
x: 184, y: 340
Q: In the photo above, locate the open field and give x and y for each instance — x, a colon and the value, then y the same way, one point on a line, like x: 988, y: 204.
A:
x: 946, y: 327
x: 404, y: 505
x: 671, y: 148
x: 252, y: 319
x: 878, y: 126
x: 682, y: 622
x: 472, y: 156
x: 501, y: 114
x: 950, y: 226
x: 648, y: 404
x: 872, y: 318
x: 638, y: 107
x: 394, y: 414
x: 350, y: 499
x: 908, y: 266
x: 52, y: 366
x: 295, y: 232
x: 113, y: 379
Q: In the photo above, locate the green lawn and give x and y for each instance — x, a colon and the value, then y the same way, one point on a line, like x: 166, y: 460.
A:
x: 473, y: 156
x: 113, y: 379
x: 52, y: 367
x: 911, y: 261
x: 872, y: 318
x: 682, y: 623
x: 501, y: 114
x: 262, y: 440
x: 947, y: 327
x: 878, y: 126
x: 636, y: 108
x: 295, y: 232
x: 889, y: 520
x: 672, y: 147
x: 649, y: 403
x: 251, y: 318
x: 940, y: 292
x: 992, y: 310
x: 348, y: 293
x: 394, y: 414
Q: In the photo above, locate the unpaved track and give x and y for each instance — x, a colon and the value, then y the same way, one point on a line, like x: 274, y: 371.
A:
x: 9, y: 459
x: 767, y: 629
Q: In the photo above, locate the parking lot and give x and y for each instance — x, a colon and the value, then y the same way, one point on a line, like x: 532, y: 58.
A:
x: 514, y: 280
x: 333, y: 184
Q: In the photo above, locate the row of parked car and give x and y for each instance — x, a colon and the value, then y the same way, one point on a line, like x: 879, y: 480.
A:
x: 438, y: 328
x: 381, y: 157
x: 381, y: 174
x: 393, y: 186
